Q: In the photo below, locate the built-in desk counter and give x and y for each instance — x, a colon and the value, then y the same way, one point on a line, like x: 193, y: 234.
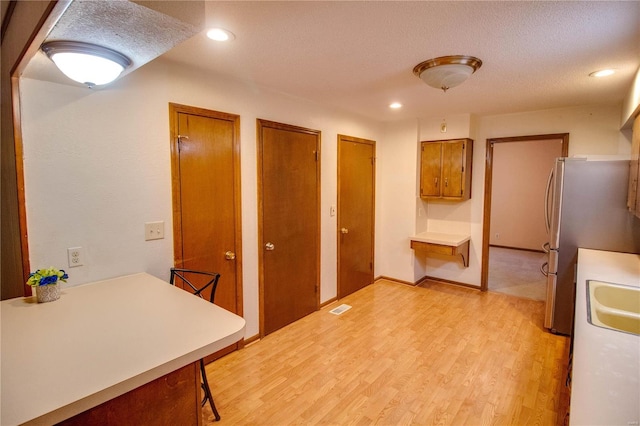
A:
x: 105, y: 340
x: 439, y: 243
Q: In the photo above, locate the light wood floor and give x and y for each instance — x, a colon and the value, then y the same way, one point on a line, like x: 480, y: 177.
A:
x: 441, y: 355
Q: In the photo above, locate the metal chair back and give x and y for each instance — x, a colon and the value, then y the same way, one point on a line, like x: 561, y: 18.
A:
x: 188, y: 278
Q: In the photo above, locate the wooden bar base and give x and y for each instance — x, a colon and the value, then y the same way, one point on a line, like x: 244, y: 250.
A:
x: 173, y: 399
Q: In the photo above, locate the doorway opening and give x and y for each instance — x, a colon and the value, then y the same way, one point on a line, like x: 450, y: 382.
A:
x: 516, y: 175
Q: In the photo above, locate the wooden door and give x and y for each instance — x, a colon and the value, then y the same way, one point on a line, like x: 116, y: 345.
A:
x: 289, y: 223
x: 356, y: 213
x: 206, y: 198
x: 452, y: 163
x: 430, y: 169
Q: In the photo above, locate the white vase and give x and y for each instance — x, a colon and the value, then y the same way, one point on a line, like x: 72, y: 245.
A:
x: 47, y: 293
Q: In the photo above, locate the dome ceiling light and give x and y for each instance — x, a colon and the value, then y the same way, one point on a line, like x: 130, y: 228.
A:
x: 446, y: 72
x: 86, y: 63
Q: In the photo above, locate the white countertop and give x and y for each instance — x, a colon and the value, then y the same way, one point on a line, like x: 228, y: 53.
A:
x: 99, y: 341
x: 453, y: 240
x: 606, y: 363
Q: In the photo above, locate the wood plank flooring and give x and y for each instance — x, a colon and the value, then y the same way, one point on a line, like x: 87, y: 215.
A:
x: 439, y: 354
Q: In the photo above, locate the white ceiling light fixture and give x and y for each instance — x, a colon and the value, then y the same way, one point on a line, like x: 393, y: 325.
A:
x: 603, y: 73
x: 86, y: 63
x: 446, y: 72
x: 220, y: 34
x: 395, y: 105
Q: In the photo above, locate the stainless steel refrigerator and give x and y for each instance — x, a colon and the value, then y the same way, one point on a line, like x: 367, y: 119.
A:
x: 586, y: 206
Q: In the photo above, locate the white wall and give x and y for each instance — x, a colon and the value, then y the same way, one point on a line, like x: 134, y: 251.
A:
x: 519, y: 181
x: 395, y: 199
x: 97, y: 167
x: 593, y: 130
x: 443, y: 216
x: 631, y: 104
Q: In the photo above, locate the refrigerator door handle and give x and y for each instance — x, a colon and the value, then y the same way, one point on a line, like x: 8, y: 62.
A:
x: 545, y: 269
x: 549, y: 309
x: 552, y: 267
x: 547, y: 207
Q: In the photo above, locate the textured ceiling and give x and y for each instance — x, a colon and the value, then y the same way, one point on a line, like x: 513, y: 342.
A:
x: 359, y: 55
x: 137, y: 32
x: 142, y: 33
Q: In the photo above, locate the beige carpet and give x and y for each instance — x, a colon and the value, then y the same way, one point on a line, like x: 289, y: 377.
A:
x: 517, y: 272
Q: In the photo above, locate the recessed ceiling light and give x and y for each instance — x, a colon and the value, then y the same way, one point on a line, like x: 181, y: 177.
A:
x: 220, y: 34
x: 395, y: 105
x: 602, y: 73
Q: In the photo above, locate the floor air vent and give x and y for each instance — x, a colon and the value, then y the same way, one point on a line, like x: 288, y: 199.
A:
x: 340, y: 309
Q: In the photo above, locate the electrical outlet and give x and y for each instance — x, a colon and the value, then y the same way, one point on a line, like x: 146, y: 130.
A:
x: 153, y: 231
x: 75, y: 256
x: 332, y: 211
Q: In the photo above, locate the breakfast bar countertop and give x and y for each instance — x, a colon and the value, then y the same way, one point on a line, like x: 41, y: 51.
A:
x: 99, y: 341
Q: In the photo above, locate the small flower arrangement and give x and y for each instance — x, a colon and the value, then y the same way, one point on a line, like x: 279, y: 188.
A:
x: 47, y: 276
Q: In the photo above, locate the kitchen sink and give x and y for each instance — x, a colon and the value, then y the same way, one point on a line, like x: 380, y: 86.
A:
x: 614, y: 306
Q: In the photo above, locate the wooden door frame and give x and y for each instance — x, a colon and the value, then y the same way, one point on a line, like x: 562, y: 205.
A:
x: 488, y: 181
x: 345, y: 138
x: 260, y: 124
x: 174, y: 111
x: 19, y: 240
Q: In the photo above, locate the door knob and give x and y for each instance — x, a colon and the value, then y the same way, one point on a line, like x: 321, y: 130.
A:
x: 229, y: 255
x: 344, y: 230
x: 269, y: 247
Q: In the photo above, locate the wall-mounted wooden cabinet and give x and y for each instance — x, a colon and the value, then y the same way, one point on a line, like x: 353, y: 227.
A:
x: 633, y: 200
x: 445, y: 169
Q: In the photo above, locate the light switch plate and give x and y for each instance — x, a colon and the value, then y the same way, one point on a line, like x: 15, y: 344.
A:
x: 153, y: 231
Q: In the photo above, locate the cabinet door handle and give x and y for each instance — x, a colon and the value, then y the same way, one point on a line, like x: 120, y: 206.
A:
x: 446, y: 182
x: 436, y: 181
